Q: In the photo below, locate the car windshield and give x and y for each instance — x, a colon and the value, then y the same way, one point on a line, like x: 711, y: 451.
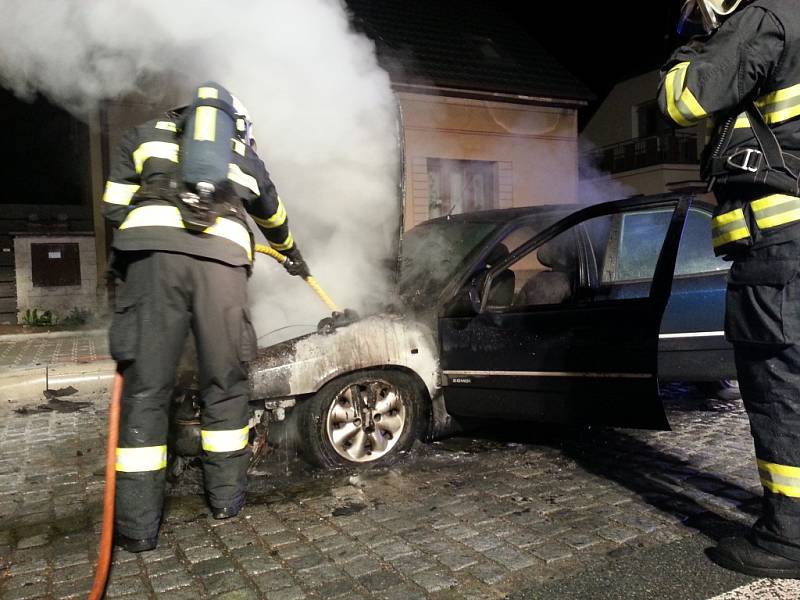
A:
x: 432, y: 253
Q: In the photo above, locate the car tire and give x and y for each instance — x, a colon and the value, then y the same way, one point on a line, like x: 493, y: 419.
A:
x: 335, y: 433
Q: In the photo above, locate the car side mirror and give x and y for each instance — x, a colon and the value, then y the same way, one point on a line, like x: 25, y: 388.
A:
x: 467, y: 302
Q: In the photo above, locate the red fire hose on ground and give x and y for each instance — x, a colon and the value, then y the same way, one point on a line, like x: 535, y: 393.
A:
x: 106, y: 537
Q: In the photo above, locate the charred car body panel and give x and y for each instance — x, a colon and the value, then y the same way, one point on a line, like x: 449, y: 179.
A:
x: 302, y: 366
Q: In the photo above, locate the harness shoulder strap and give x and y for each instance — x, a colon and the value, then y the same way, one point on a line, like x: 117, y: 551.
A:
x: 770, y: 147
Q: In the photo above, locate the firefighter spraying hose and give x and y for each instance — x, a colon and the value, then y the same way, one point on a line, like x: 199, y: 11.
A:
x: 183, y: 252
x: 177, y: 195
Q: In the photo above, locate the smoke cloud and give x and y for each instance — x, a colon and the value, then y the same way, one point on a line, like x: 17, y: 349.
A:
x: 323, y: 110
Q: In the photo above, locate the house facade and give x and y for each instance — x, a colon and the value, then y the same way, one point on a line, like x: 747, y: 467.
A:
x: 489, y: 117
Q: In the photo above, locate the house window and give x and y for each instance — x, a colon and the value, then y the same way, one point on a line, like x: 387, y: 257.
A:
x: 55, y: 264
x: 459, y: 186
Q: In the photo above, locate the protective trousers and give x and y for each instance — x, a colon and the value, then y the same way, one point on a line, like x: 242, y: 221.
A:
x: 162, y: 295
x: 763, y: 322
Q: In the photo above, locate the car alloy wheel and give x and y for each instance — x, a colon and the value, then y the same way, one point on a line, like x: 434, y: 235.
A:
x: 365, y: 420
x: 362, y: 419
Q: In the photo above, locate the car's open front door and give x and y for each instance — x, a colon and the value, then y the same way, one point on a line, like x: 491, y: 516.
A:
x: 559, y: 348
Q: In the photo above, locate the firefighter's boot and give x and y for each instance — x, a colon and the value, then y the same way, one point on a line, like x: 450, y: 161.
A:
x: 741, y: 555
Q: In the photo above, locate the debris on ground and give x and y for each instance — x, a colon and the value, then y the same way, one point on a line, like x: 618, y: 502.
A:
x: 60, y: 392
x: 53, y: 405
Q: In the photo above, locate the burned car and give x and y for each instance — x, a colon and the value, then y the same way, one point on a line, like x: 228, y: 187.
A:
x: 547, y: 313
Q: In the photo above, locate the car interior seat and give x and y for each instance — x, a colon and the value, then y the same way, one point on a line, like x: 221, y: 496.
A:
x: 558, y: 283
x: 502, y: 290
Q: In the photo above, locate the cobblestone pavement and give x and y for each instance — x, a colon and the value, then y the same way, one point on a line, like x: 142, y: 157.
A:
x: 43, y: 349
x: 477, y: 516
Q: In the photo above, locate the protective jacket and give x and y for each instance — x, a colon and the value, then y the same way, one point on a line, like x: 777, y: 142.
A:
x: 140, y: 200
x: 753, y: 57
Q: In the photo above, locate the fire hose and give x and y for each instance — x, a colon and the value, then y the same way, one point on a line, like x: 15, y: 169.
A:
x: 312, y: 283
x: 104, y: 553
x: 106, y: 537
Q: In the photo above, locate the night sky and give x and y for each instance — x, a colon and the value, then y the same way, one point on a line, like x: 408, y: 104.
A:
x: 603, y: 42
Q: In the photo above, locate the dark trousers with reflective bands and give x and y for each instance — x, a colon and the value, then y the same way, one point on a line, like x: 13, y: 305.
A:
x: 769, y: 379
x: 162, y: 295
x: 763, y: 322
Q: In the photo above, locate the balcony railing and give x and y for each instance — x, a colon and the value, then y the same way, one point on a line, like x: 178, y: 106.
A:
x: 675, y: 148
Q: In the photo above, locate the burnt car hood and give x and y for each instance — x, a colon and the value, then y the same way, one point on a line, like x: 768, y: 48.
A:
x: 303, y: 365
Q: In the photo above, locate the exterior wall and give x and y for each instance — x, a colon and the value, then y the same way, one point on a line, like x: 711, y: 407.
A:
x: 535, y: 148
x: 614, y: 120
x: 58, y: 299
x: 650, y: 180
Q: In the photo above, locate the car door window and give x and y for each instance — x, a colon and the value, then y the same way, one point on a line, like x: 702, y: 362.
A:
x: 639, y: 238
x: 638, y: 243
x: 695, y: 253
x: 554, y: 272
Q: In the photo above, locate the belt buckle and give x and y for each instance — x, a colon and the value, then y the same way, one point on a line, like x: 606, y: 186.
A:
x: 745, y: 165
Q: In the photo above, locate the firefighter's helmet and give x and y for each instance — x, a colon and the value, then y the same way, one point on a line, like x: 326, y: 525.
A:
x: 705, y: 15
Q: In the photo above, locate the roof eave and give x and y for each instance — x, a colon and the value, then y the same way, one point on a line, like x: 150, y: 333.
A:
x: 473, y: 94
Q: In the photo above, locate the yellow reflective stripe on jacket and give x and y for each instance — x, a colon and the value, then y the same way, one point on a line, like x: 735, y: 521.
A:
x: 167, y: 125
x: 742, y: 121
x: 119, y: 193
x: 165, y: 150
x: 242, y: 178
x: 780, y: 479
x: 729, y: 227
x: 682, y: 106
x: 136, y: 460
x: 285, y: 245
x: 233, y: 231
x: 276, y: 220
x: 776, y: 209
x: 229, y: 440
x: 170, y: 216
x: 777, y: 107
x: 780, y: 105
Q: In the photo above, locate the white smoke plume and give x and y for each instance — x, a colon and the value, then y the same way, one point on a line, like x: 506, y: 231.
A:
x: 323, y: 110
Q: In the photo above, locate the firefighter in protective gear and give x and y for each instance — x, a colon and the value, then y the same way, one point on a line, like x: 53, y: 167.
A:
x: 175, y: 276
x: 745, y: 76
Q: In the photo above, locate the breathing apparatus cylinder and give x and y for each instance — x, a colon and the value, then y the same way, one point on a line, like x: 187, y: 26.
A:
x: 206, y: 153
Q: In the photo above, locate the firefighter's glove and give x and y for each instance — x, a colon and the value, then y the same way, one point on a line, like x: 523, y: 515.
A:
x: 295, y: 265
